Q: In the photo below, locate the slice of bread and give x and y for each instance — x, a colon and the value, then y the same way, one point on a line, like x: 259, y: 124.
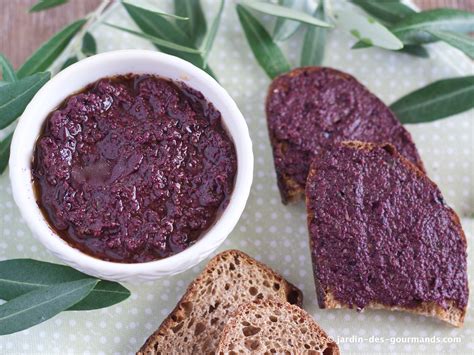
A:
x: 382, y: 236
x: 229, y: 279
x: 274, y: 327
x: 311, y: 109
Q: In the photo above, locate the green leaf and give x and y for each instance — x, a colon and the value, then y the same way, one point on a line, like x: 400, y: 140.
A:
x: 155, y: 10
x: 5, y: 154
x: 285, y: 28
x: 46, y: 4
x: 211, y: 34
x: 39, y: 305
x: 69, y: 61
x: 20, y: 276
x: 389, y: 12
x: 367, y: 30
x: 104, y: 294
x: 267, y: 53
x: 314, y: 41
x: 415, y: 50
x: 460, y: 41
x: 14, y: 97
x: 89, y: 46
x: 196, y: 26
x: 156, y: 40
x: 42, y: 59
x: 440, y: 99
x: 156, y: 25
x: 8, y: 73
x: 413, y: 29
x: 285, y: 12
x: 412, y: 49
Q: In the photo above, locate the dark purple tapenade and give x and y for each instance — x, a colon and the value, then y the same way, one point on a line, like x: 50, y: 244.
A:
x: 134, y: 168
x: 311, y: 109
x: 381, y: 232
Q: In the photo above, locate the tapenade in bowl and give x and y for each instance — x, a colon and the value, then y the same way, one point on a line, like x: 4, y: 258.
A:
x: 131, y: 165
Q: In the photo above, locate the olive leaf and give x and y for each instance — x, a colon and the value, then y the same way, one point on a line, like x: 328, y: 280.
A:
x: 154, y: 9
x: 414, y: 28
x: 412, y: 49
x: 415, y: 50
x: 46, y: 4
x: 437, y: 100
x: 5, y: 152
x: 285, y: 28
x: 158, y: 26
x: 267, y: 53
x: 314, y: 41
x: 211, y: 34
x: 285, y: 12
x: 42, y: 304
x: 156, y: 40
x: 460, y: 41
x: 42, y: 59
x: 155, y: 24
x: 69, y: 61
x: 8, y: 73
x: 104, y: 294
x: 196, y: 26
x: 389, y: 12
x: 20, y: 276
x: 367, y: 30
x: 14, y: 97
x: 89, y: 45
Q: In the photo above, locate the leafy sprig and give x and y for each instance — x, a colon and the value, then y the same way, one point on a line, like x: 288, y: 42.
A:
x: 400, y: 28
x: 191, y: 34
x: 36, y: 291
x: 36, y: 71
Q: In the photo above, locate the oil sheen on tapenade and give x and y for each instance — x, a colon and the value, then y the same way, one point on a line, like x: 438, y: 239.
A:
x: 381, y: 232
x: 134, y: 168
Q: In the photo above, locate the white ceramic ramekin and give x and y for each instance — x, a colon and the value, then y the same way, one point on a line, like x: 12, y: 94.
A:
x: 73, y: 79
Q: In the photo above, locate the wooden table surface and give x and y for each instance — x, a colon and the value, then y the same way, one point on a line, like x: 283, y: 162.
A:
x: 21, y: 33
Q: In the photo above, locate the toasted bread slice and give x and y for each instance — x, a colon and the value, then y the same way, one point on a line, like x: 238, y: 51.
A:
x: 274, y: 327
x: 229, y: 279
x: 382, y: 237
x: 311, y: 109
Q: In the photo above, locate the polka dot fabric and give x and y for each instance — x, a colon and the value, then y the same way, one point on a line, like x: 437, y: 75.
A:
x: 269, y: 231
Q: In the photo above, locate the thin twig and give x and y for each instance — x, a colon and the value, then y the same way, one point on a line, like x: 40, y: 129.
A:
x: 93, y: 18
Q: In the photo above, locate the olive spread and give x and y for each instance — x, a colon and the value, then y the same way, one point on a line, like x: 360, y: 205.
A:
x: 134, y: 168
x: 311, y: 109
x: 381, y: 232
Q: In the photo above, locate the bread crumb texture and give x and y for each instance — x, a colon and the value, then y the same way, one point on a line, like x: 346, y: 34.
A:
x: 229, y: 280
x: 273, y: 327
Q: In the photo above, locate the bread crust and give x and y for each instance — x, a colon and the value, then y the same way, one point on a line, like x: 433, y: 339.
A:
x: 326, y: 299
x: 293, y: 294
x: 292, y: 191
x: 330, y: 346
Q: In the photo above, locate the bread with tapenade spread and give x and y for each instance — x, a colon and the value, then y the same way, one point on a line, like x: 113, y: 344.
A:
x: 229, y: 279
x: 382, y: 236
x: 274, y: 327
x: 310, y: 109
